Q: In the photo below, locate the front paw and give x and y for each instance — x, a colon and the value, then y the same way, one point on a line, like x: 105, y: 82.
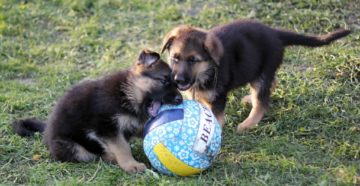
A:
x: 133, y: 167
x: 245, y: 126
x: 246, y: 99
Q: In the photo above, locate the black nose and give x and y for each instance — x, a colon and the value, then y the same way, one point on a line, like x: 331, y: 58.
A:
x: 179, y: 79
x: 178, y: 99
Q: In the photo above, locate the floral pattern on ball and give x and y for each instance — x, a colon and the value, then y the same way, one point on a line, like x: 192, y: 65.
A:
x: 179, y: 137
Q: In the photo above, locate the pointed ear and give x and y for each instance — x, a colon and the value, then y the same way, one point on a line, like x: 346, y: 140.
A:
x: 170, y: 36
x: 147, y: 58
x: 214, y: 47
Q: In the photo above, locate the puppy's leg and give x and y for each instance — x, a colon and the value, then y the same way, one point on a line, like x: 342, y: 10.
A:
x: 218, y: 108
x: 68, y: 150
x: 257, y: 111
x: 218, y: 112
x: 121, y: 151
x: 260, y: 94
x: 221, y: 119
x: 109, y: 157
x: 247, y: 98
x: 273, y: 85
x: 260, y: 89
x: 82, y: 154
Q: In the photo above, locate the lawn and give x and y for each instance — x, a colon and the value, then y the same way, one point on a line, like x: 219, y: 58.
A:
x: 310, y: 136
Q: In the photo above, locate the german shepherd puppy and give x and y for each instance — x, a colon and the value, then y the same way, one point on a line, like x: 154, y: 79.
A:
x: 98, y: 117
x: 210, y: 63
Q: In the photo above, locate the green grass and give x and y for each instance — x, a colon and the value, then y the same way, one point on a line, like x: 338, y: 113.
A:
x: 310, y: 136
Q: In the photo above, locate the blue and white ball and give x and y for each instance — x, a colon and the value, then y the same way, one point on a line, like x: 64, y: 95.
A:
x: 183, y: 139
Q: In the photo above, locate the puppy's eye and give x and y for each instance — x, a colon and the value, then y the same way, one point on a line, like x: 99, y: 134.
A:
x: 192, y: 60
x: 174, y: 59
x: 165, y: 81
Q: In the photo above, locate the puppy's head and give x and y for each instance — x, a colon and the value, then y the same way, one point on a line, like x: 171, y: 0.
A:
x: 193, y: 55
x: 153, y: 80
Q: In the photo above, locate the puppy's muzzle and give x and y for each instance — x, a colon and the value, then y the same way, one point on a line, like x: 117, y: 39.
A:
x: 182, y: 82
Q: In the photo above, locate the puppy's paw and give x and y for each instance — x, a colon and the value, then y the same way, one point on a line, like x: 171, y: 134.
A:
x: 244, y: 126
x: 109, y: 158
x: 246, y: 99
x: 221, y: 120
x: 133, y: 167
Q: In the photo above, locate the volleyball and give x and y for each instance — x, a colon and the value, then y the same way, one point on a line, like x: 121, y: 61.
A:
x: 182, y: 139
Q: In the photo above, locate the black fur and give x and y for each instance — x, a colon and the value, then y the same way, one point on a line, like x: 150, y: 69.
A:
x: 28, y: 127
x: 244, y: 51
x: 254, y: 51
x: 291, y: 38
x: 97, y: 113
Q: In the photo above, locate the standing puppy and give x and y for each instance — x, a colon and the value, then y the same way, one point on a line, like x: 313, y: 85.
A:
x: 210, y: 63
x: 98, y: 117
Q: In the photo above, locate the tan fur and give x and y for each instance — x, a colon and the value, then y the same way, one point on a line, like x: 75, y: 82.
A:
x: 99, y: 117
x: 246, y: 49
x: 189, y: 94
x: 114, y: 154
x: 138, y: 87
x: 109, y: 157
x: 123, y: 155
x: 137, y: 69
x: 202, y: 96
x: 211, y: 42
x: 82, y: 154
x: 118, y: 150
x: 246, y: 99
x: 198, y: 71
x: 142, y: 84
x: 175, y: 32
x: 94, y: 137
x: 205, y: 97
x: 214, y: 47
x: 127, y: 121
x: 257, y: 110
x: 273, y: 85
x: 255, y: 116
x: 221, y: 119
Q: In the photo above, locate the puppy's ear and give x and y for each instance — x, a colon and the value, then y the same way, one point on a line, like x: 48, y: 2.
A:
x: 167, y: 42
x: 170, y: 36
x: 214, y: 47
x: 147, y: 58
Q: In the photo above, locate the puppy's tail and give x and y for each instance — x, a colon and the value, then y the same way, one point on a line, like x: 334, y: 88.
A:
x: 28, y: 127
x: 291, y: 38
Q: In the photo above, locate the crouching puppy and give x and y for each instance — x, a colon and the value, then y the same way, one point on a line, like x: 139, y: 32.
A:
x: 98, y: 117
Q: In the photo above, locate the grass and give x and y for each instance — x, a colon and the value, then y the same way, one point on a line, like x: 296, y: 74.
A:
x: 310, y: 136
